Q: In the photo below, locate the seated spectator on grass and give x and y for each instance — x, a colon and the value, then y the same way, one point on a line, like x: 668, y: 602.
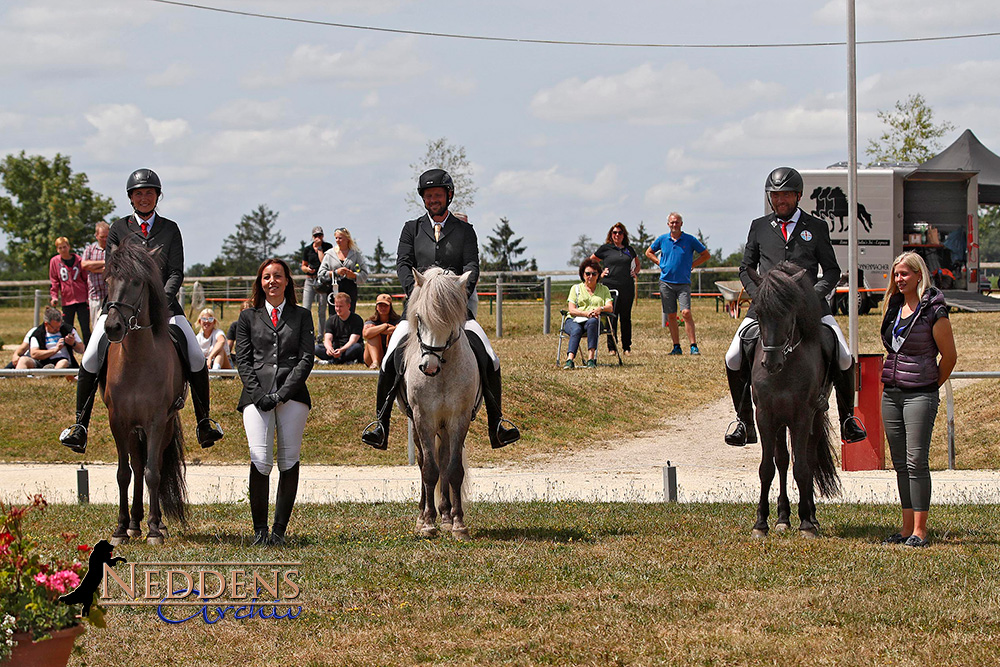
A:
x: 587, y: 302
x: 52, y: 344
x: 212, y: 340
x: 21, y: 350
x: 231, y: 338
x: 342, y: 334
x: 377, y: 330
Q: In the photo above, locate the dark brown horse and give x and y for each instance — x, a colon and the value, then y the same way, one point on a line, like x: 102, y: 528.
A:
x: 791, y: 389
x: 144, y: 391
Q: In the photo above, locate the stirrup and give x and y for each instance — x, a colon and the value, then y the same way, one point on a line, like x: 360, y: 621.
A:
x: 731, y: 438
x: 370, y: 431
x: 513, y: 434
x: 73, y: 438
x: 856, y: 423
x: 209, y: 432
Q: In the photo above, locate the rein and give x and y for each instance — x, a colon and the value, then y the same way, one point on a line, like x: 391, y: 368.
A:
x: 435, y: 351
x: 132, y: 323
x: 785, y: 348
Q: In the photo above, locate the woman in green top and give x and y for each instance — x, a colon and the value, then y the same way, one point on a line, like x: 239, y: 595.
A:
x: 587, y: 302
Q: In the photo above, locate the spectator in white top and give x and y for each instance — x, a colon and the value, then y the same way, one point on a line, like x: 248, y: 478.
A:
x: 52, y: 344
x: 212, y: 340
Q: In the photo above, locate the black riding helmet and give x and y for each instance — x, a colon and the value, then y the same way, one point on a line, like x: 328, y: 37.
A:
x: 783, y: 179
x: 436, y: 178
x: 143, y: 178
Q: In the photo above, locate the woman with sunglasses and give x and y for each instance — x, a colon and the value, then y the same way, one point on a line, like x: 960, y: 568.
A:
x: 378, y: 328
x: 345, y: 264
x: 212, y: 340
x: 621, y: 266
x: 587, y: 302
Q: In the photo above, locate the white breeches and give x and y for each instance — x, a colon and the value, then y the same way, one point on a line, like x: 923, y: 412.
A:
x: 285, y: 424
x: 196, y: 356
x: 403, y: 328
x: 844, y: 358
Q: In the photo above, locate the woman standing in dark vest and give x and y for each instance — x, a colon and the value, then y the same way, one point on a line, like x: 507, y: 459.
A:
x: 274, y: 355
x: 915, y: 332
x: 621, y: 266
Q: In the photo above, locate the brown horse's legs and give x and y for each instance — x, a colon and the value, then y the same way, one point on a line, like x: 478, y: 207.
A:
x: 154, y: 457
x: 802, y: 469
x: 135, y: 461
x: 781, y: 458
x: 124, y: 477
x: 768, y: 439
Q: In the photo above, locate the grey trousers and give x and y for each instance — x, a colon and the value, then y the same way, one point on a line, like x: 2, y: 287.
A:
x: 908, y: 418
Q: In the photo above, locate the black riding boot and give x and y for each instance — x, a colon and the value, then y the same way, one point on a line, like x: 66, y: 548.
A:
x: 851, y: 428
x: 288, y: 486
x: 739, y: 389
x: 500, y: 436
x: 258, y: 505
x: 208, y: 429
x: 75, y: 437
x: 376, y: 433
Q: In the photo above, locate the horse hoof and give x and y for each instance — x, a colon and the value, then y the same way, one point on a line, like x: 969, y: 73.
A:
x: 782, y: 527
x: 163, y: 529
x: 759, y: 534
x: 447, y: 527
x: 428, y: 532
x: 461, y: 534
x: 809, y: 533
x: 118, y: 541
x: 154, y: 541
x: 132, y: 532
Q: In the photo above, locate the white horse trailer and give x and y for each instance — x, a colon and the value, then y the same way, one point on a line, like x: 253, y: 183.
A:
x: 901, y: 208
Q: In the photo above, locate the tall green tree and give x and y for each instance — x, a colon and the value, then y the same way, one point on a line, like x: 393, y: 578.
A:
x: 45, y: 200
x: 501, y: 250
x: 989, y: 234
x: 381, y: 260
x: 912, y: 134
x: 643, y: 239
x: 442, y: 155
x: 254, y: 240
x: 581, y: 250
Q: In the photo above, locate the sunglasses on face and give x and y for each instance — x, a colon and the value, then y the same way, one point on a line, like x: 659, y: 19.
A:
x: 617, y: 231
x: 591, y: 273
x: 208, y: 319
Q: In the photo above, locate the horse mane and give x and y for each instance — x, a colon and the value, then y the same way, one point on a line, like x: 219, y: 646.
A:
x: 440, y: 302
x: 780, y: 294
x: 131, y: 260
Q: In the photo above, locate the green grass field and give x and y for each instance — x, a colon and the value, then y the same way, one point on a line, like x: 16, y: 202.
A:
x: 557, y: 410
x: 577, y: 584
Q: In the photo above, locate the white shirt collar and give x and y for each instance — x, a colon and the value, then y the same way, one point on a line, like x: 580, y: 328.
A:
x: 149, y: 223
x: 280, y: 307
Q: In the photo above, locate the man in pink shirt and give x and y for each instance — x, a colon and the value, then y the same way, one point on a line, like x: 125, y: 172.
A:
x: 68, y: 285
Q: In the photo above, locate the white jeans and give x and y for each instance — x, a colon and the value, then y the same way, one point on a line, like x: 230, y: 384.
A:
x: 284, y: 424
x: 844, y: 358
x: 403, y: 328
x: 195, y: 355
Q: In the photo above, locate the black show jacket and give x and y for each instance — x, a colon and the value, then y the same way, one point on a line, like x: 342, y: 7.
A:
x: 457, y: 251
x: 263, y: 352
x: 165, y: 235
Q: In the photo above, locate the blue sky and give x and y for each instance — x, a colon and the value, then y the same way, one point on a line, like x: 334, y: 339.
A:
x: 322, y: 123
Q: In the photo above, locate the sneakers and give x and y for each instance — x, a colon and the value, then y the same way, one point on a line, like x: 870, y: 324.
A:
x: 591, y: 363
x: 676, y: 350
x: 694, y: 350
x: 569, y: 365
x: 914, y: 541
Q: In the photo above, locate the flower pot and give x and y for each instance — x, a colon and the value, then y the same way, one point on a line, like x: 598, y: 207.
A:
x: 52, y: 652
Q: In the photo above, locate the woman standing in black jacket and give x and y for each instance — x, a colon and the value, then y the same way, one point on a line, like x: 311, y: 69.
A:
x: 274, y: 355
x: 621, y: 266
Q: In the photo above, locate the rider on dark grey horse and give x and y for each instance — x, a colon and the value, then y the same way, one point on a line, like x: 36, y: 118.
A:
x: 438, y: 238
x: 789, y: 233
x: 153, y: 231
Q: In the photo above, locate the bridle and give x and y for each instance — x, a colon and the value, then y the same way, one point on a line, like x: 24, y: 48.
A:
x: 132, y: 323
x: 786, y: 348
x: 435, y: 351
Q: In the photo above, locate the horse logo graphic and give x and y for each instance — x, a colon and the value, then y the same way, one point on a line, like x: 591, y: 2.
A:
x: 831, y: 205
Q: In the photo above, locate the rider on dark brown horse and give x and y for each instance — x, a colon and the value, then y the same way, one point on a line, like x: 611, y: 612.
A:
x: 789, y: 233
x: 153, y: 231
x: 440, y: 239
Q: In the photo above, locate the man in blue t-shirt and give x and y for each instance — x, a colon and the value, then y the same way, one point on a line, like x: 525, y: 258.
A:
x: 675, y: 253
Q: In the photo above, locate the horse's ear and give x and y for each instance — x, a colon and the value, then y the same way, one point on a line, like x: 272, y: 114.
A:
x: 419, y: 277
x: 798, y: 277
x: 155, y: 252
x: 754, y: 276
x: 463, y: 279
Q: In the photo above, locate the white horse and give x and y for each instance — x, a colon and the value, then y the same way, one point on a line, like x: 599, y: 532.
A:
x: 441, y: 392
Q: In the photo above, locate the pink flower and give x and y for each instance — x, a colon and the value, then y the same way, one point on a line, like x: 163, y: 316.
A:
x: 41, y: 579
x: 63, y: 581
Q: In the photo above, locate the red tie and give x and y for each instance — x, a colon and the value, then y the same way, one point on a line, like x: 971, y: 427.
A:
x: 144, y: 226
x: 784, y: 228
x: 274, y: 317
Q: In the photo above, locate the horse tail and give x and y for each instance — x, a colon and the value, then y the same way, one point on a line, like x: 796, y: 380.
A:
x: 825, y: 471
x: 173, y: 488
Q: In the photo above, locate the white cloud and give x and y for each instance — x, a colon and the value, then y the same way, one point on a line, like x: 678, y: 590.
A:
x: 675, y: 93
x: 164, y: 131
x: 251, y: 113
x: 550, y: 183
x: 678, y: 160
x: 926, y: 17
x: 667, y: 193
x: 385, y: 64
x: 123, y: 126
x: 950, y: 82
x: 175, y: 75
x: 370, y: 101
x: 787, y: 132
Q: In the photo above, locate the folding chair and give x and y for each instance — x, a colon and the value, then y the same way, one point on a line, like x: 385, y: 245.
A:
x: 607, y: 328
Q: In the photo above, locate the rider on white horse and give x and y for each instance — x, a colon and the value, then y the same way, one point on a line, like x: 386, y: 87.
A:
x: 149, y: 229
x: 789, y: 233
x: 438, y: 238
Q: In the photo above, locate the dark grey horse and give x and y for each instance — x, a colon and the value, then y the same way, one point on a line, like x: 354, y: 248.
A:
x: 791, y: 389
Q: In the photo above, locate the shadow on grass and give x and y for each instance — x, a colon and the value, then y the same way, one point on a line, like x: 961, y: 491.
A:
x: 533, y: 534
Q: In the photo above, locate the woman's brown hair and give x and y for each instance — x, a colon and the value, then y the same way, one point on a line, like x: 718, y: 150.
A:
x: 620, y: 226
x: 256, y: 298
